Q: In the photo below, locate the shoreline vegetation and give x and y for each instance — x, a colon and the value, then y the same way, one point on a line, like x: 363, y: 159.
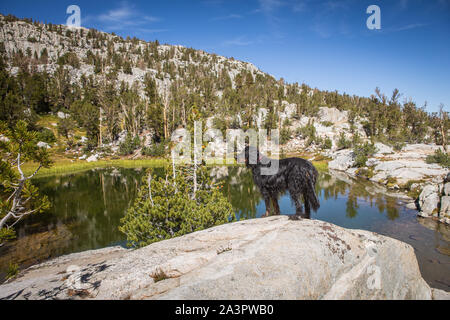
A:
x: 67, y: 166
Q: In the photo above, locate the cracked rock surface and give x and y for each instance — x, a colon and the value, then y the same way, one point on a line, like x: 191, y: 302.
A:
x: 271, y: 258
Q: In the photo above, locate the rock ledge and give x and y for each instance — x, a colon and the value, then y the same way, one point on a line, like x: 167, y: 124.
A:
x: 272, y: 258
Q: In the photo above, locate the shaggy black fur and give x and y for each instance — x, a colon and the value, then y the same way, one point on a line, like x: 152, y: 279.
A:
x: 295, y: 175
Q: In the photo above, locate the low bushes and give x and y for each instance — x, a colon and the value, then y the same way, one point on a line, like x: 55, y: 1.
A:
x: 440, y: 157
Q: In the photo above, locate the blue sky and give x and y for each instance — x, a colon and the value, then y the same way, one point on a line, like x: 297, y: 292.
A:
x: 325, y: 44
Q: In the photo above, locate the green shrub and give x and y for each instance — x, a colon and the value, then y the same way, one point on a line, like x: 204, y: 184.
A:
x: 308, y: 131
x: 365, y: 173
x: 362, y: 153
x: 356, y: 139
x: 65, y: 127
x: 46, y: 135
x: 127, y: 69
x: 398, y: 146
x: 7, y: 234
x: 69, y: 58
x: 285, y: 135
x: 440, y: 157
x: 327, y: 123
x: 343, y: 142
x: 327, y: 143
x: 166, y: 207
x: 129, y: 145
x: 156, y: 150
x: 413, y: 192
x: 286, y: 122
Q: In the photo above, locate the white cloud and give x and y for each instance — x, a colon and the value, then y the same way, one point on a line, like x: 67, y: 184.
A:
x: 123, y: 17
x: 410, y: 26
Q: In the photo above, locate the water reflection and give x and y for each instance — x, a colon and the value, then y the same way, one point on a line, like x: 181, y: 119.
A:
x: 87, y: 208
x: 332, y: 188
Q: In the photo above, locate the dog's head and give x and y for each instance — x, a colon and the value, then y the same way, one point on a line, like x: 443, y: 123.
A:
x: 250, y: 156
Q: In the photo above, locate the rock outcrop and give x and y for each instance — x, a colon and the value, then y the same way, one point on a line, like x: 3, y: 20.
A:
x: 272, y: 258
x: 343, y: 160
x: 434, y: 201
x: 333, y: 115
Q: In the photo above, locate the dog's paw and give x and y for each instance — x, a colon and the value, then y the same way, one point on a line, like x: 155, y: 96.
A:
x: 295, y: 218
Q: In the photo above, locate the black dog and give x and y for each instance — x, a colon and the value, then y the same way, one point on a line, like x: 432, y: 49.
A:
x: 298, y: 176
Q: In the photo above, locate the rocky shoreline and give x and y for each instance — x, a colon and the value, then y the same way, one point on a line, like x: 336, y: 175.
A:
x: 426, y: 185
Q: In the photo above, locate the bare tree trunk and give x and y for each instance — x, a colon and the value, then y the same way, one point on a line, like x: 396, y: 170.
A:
x: 149, y: 183
x: 443, y: 118
x: 17, y: 209
x: 165, y: 122
x: 184, y: 115
x: 100, y: 129
x: 195, y: 160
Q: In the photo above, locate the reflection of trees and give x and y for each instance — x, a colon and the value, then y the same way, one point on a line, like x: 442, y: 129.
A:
x: 35, y: 248
x: 329, y: 187
x: 332, y: 185
x: 391, y: 208
x: 242, y: 193
x: 352, y: 206
x: 91, y: 202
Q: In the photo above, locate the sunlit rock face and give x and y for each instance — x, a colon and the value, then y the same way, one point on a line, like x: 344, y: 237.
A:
x: 272, y: 258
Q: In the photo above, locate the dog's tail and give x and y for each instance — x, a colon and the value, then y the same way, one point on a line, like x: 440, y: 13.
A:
x: 310, y: 194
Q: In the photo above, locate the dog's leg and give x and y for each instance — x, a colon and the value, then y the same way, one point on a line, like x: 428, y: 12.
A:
x: 276, y: 207
x: 307, y: 209
x: 267, y: 201
x: 295, y: 196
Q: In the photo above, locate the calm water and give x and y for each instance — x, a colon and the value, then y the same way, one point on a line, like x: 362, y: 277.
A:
x: 87, y: 208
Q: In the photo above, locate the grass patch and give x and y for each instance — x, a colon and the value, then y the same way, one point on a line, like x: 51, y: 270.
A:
x: 12, y: 271
x: 67, y: 166
x: 365, y: 173
x: 321, y: 165
x: 413, y: 192
x: 159, y: 275
x: 391, y: 182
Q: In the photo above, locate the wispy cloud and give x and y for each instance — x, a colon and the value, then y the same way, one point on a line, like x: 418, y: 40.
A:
x: 269, y: 9
x: 331, y: 19
x: 238, y: 41
x: 299, y: 6
x: 227, y: 17
x: 268, y: 6
x: 123, y: 17
x: 409, y: 27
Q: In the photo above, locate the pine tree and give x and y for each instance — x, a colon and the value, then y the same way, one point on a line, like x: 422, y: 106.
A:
x: 166, y: 207
x: 19, y: 197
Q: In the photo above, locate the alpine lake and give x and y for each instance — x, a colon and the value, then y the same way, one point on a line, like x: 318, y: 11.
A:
x: 87, y: 208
